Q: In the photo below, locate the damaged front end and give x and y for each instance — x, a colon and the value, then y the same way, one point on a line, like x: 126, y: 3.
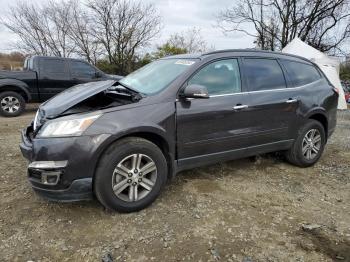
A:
x: 85, y: 98
x: 61, y: 158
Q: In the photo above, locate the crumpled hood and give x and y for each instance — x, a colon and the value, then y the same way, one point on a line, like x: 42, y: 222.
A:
x: 72, y: 96
x: 115, y: 77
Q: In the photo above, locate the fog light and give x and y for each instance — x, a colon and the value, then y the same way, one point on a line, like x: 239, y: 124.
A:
x: 50, y: 177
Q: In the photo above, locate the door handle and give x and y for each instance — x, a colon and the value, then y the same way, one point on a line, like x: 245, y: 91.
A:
x: 239, y: 107
x: 290, y: 100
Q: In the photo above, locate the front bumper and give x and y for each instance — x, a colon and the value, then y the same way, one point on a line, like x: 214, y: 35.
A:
x: 61, y: 169
x: 80, y: 189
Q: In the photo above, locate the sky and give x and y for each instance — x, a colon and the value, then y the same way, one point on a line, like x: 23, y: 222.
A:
x: 177, y: 16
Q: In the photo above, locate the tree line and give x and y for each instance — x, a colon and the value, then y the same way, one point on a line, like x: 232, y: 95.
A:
x: 323, y: 24
x: 113, y: 34
x: 107, y: 33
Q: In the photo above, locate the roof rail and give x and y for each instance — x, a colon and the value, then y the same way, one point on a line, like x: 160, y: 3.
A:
x: 257, y: 51
x: 241, y: 50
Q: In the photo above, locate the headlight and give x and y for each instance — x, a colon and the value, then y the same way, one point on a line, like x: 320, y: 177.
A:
x: 68, y: 127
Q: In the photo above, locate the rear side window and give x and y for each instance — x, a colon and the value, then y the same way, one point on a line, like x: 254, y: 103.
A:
x: 263, y: 74
x: 220, y: 77
x: 53, y: 68
x: 300, y: 73
x: 82, y: 70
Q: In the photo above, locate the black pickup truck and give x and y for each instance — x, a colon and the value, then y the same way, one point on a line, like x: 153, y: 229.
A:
x: 42, y: 78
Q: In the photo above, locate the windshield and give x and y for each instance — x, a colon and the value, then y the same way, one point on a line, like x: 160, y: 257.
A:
x: 157, y: 75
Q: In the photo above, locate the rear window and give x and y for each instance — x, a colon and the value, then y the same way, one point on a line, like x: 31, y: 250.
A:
x: 300, y: 73
x: 263, y: 74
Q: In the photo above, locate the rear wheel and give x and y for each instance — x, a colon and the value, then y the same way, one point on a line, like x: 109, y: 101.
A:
x: 11, y: 104
x: 130, y: 175
x: 308, y: 146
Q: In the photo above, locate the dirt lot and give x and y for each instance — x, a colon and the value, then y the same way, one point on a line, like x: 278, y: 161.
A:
x: 241, y: 210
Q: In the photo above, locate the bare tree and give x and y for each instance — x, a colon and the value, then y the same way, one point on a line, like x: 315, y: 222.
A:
x: 42, y: 29
x: 24, y: 20
x: 323, y: 24
x: 190, y: 40
x: 122, y: 27
x: 57, y: 17
x: 80, y: 32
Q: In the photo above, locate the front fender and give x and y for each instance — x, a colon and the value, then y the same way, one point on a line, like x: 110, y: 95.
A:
x: 154, y: 120
x: 8, y: 82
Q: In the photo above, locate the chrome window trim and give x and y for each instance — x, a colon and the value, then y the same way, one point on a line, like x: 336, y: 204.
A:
x: 267, y: 90
x: 263, y: 91
x: 259, y: 91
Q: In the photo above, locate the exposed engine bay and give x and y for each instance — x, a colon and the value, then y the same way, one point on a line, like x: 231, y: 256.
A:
x: 109, y: 98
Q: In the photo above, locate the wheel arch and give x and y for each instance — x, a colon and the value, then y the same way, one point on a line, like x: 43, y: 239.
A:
x: 153, y: 137
x: 16, y: 86
x: 320, y: 117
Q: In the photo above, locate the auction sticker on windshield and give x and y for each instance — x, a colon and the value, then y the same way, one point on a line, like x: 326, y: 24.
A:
x: 184, y: 62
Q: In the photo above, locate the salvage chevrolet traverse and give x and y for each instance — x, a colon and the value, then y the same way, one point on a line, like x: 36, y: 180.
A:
x: 123, y: 140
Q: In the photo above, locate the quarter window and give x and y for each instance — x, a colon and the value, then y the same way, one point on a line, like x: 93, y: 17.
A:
x: 300, y: 73
x: 221, y: 77
x: 263, y: 74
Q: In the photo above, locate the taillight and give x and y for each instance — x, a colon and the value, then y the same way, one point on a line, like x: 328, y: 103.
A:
x: 336, y: 90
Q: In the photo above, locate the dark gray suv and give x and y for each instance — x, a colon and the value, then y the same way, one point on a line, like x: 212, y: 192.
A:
x: 123, y: 140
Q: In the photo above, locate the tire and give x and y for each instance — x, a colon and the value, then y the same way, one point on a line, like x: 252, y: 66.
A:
x: 295, y: 154
x: 11, y: 104
x: 121, y: 153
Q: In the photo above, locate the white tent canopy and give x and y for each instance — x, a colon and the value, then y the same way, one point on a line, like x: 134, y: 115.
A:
x: 329, y: 65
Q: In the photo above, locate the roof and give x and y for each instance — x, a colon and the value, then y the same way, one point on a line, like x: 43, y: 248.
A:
x: 240, y: 52
x: 57, y: 57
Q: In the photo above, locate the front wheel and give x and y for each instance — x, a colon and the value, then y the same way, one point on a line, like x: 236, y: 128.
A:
x: 130, y: 175
x: 308, y: 146
x: 11, y: 104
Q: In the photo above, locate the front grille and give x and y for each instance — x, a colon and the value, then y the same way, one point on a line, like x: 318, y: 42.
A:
x: 29, y: 132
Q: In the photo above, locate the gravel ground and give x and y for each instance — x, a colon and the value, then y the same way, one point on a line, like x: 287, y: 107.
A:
x: 260, y: 209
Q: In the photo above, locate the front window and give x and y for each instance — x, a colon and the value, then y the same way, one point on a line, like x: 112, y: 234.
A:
x: 221, y: 77
x: 82, y: 70
x: 156, y: 76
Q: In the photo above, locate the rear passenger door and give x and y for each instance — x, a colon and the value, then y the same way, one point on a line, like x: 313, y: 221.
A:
x: 53, y: 77
x: 272, y: 105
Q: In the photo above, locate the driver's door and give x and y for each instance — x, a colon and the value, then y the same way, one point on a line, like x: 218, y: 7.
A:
x: 208, y: 128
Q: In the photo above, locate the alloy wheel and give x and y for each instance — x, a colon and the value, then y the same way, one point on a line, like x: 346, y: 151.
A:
x: 10, y: 104
x: 312, y: 143
x: 134, y: 177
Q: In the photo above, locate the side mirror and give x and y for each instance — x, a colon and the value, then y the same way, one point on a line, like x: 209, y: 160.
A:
x: 98, y: 74
x: 195, y: 91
